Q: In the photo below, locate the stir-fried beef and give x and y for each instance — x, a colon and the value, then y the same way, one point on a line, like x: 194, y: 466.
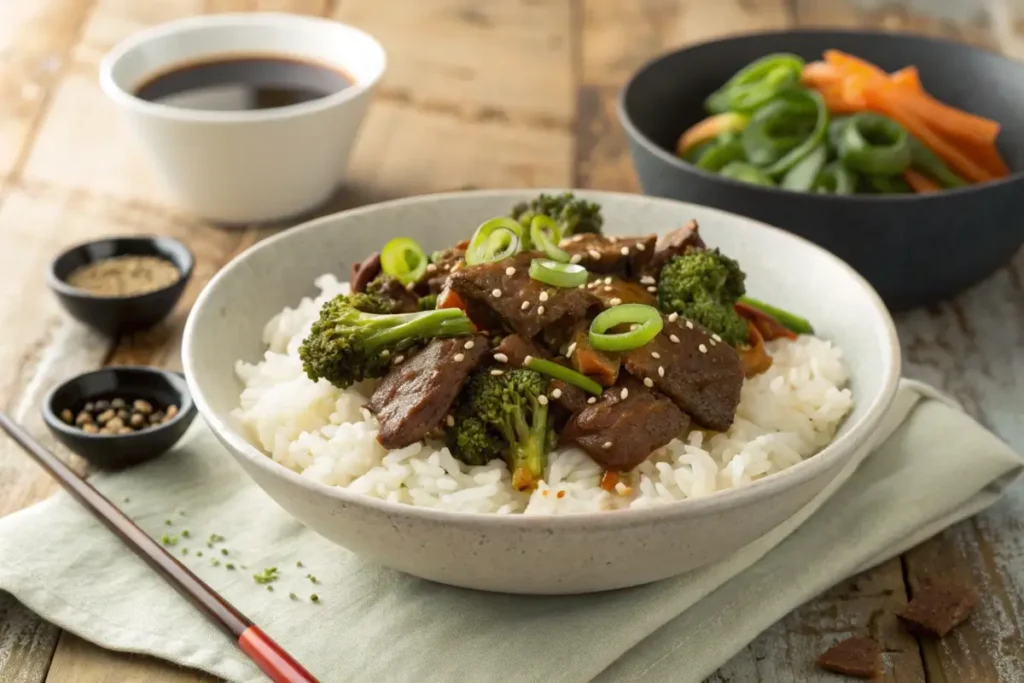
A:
x: 613, y: 290
x: 416, y: 395
x: 363, y: 272
x: 626, y: 256
x: 673, y: 244
x: 702, y: 374
x: 625, y: 425
x: 388, y: 287
x: 600, y: 366
x: 526, y: 305
x: 515, y: 349
x: 444, y: 262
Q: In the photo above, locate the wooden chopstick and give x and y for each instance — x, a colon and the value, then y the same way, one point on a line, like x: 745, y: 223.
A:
x: 257, y: 645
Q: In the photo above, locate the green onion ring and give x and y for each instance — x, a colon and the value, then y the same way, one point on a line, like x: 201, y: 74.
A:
x: 647, y: 317
x: 551, y: 369
x: 495, y: 240
x: 403, y: 259
x: 558, y: 274
x: 545, y: 235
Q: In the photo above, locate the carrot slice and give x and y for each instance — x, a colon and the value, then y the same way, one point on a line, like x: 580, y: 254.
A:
x: 920, y: 182
x: 947, y: 120
x: 907, y: 78
x: 851, y: 65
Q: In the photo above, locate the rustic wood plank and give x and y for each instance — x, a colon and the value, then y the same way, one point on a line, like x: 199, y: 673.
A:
x: 78, y: 661
x: 26, y: 643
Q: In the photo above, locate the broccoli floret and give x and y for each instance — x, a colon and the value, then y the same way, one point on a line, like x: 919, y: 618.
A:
x: 356, y: 338
x: 572, y: 215
x: 704, y: 285
x: 505, y: 415
x: 428, y: 302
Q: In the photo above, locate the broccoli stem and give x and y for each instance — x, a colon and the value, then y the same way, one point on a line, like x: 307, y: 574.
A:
x: 528, y: 455
x: 446, y: 322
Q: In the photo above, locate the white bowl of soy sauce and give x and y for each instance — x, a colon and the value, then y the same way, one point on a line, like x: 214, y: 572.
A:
x: 247, y: 117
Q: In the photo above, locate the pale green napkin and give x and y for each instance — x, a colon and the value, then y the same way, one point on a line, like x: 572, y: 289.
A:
x: 935, y: 467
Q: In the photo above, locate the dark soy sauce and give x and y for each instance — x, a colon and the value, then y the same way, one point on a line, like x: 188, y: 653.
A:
x: 244, y: 83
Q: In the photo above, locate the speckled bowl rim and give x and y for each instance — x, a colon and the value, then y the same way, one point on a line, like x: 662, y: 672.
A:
x: 633, y: 132
x: 857, y: 436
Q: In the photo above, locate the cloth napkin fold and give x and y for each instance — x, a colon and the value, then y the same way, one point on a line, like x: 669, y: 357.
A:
x: 934, y: 466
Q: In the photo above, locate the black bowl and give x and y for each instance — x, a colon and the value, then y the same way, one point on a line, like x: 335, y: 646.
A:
x: 914, y: 249
x: 120, y: 315
x: 113, y: 452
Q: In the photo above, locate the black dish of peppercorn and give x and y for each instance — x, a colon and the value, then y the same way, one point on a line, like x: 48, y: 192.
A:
x: 120, y: 416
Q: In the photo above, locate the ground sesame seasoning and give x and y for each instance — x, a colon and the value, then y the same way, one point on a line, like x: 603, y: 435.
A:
x: 648, y: 382
x: 540, y: 310
x: 569, y: 351
x: 468, y: 345
x: 557, y: 393
x: 615, y: 301
x: 672, y: 317
x: 449, y: 420
x: 592, y: 400
x: 501, y: 358
x: 661, y: 371
x: 673, y: 338
x: 652, y: 289
x: 526, y: 304
x: 624, y: 251
x: 575, y: 258
x: 606, y: 444
x: 542, y: 399
x: 624, y: 393
x: 655, y: 355
x: 496, y: 373
x: 543, y: 296
x: 640, y: 246
x: 510, y: 271
x: 459, y: 357
x: 496, y: 293
x: 689, y: 324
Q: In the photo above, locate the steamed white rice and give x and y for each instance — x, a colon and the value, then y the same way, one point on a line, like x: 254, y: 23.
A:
x: 785, y: 415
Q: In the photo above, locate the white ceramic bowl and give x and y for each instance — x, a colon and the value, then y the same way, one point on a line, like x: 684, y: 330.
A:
x: 242, y: 166
x: 528, y: 554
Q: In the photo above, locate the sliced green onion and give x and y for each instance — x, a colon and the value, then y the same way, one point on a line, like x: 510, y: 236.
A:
x: 545, y: 235
x: 647, y: 317
x: 495, y: 240
x: 558, y: 274
x: 790, y: 321
x: 546, y: 367
x: 403, y: 259
x: 747, y: 173
x: 875, y: 145
x: 757, y: 83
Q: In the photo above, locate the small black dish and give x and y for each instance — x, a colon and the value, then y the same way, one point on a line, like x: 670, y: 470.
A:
x: 914, y: 249
x: 119, y: 315
x: 114, y: 452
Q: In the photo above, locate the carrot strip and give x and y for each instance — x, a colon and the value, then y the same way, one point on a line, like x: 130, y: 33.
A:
x: 920, y: 182
x: 988, y: 157
x: 908, y: 79
x: 947, y: 120
x: 834, y: 100
x: 854, y: 65
x: 817, y: 74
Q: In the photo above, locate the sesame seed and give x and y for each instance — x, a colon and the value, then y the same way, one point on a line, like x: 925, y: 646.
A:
x: 608, y: 280
x: 689, y: 324
x: 542, y: 399
x: 592, y: 400
x: 575, y: 258
x: 652, y: 289
x: 702, y: 348
x: 569, y: 351
x: 672, y: 317
x: 673, y: 338
x: 459, y: 357
x: 399, y: 359
x: 578, y: 238
x: 655, y: 355
x: 606, y: 444
x: 557, y: 393
x: 648, y: 382
x: 634, y: 327
x: 712, y: 341
x: 450, y: 421
x: 447, y: 267
x: 647, y: 280
x: 624, y: 251
x: 580, y: 287
x: 431, y: 268
x: 510, y: 271
x: 661, y: 371
x: 624, y: 393
x: 716, y: 337
x: 497, y: 373
x: 543, y: 296
x: 607, y: 288
x: 526, y: 361
x: 468, y: 345
x: 640, y: 246
x: 540, y: 310
x: 385, y: 353
x: 615, y: 301
x: 594, y: 254
x: 501, y: 358
x: 526, y: 304
x: 496, y: 293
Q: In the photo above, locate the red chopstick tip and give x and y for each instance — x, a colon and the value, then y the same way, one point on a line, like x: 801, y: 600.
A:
x: 271, y: 658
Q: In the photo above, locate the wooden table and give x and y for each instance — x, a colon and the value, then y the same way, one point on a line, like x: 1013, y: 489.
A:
x: 500, y: 93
